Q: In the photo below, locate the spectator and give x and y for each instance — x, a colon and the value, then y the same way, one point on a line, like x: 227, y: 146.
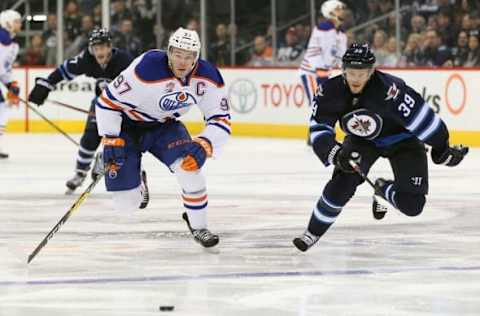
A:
x: 445, y: 28
x: 373, y: 9
x: 417, y: 24
x: 127, y: 40
x: 435, y: 53
x: 81, y: 41
x: 378, y: 46
x: 35, y: 54
x: 386, y: 6
x: 220, y: 50
x: 241, y: 56
x: 120, y: 12
x: 432, y: 22
x: 144, y: 21
x: 391, y: 59
x: 97, y: 14
x: 290, y: 52
x: 460, y: 51
x: 473, y: 58
x: 412, y: 53
x: 72, y: 20
x: 301, y: 34
x: 467, y: 23
x: 49, y: 38
x: 262, y: 54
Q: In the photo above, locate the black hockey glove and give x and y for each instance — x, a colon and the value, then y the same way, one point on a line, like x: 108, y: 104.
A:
x: 343, y: 157
x: 449, y: 156
x: 40, y: 91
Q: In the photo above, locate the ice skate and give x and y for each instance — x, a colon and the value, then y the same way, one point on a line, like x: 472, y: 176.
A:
x: 144, y: 189
x: 203, y: 236
x: 306, y: 241
x: 379, y: 210
x: 3, y: 155
x: 75, y: 182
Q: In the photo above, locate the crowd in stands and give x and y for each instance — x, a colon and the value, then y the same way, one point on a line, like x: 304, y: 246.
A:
x: 434, y: 33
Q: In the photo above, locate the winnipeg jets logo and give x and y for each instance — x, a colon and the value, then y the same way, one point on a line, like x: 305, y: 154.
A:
x: 392, y: 92
x: 176, y: 100
x: 362, y: 123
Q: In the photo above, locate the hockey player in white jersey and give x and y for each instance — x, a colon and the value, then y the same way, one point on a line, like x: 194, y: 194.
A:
x: 10, y: 25
x: 325, y: 49
x: 138, y: 113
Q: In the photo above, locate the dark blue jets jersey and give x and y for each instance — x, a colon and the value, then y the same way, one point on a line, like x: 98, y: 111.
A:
x: 386, y: 112
x: 86, y: 64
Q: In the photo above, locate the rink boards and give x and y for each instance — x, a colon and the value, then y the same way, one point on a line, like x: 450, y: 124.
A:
x: 267, y: 102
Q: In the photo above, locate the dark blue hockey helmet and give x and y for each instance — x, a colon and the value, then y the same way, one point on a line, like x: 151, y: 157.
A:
x: 358, y: 56
x: 99, y: 36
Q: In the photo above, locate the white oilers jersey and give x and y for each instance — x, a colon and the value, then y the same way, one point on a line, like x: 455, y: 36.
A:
x: 325, y: 49
x: 147, y: 92
x: 8, y: 54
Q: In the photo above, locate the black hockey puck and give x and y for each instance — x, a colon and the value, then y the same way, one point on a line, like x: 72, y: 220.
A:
x: 166, y: 308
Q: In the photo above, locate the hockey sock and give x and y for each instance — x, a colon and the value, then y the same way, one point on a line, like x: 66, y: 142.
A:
x: 389, y: 193
x: 194, y: 194
x: 84, y: 159
x: 323, y: 216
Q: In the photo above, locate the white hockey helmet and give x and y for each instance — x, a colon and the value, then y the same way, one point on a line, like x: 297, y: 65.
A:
x: 7, y: 18
x: 185, y: 39
x: 328, y: 8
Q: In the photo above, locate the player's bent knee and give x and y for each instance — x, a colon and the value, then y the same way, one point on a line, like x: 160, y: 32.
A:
x: 127, y: 201
x: 190, y: 181
x: 411, y: 204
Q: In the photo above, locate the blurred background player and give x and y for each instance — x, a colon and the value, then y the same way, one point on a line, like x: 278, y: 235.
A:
x: 325, y: 49
x: 10, y: 25
x: 138, y: 112
x: 382, y: 117
x: 100, y: 61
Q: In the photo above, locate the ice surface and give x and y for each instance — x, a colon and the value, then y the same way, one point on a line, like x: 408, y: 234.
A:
x: 261, y: 193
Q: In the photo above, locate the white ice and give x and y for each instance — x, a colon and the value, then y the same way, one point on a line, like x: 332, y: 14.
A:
x: 261, y: 193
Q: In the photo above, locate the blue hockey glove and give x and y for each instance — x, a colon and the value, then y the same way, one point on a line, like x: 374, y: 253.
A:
x: 196, y: 154
x: 113, y: 152
x: 449, y: 156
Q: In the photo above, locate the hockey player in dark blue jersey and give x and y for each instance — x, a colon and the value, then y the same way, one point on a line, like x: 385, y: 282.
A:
x: 382, y: 117
x: 100, y: 61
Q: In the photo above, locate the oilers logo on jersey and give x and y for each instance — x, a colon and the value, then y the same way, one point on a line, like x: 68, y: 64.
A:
x: 176, y: 100
x: 362, y: 123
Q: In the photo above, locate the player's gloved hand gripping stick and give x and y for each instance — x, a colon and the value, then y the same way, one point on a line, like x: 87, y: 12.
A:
x: 379, y: 208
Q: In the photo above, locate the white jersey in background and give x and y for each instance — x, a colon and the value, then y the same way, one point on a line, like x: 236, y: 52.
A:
x: 325, y: 48
x: 147, y: 91
x: 324, y: 52
x: 8, y: 54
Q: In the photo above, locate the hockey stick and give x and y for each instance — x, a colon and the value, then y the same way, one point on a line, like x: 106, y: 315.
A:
x: 55, y: 126
x: 68, y: 106
x: 67, y: 215
x: 379, y: 209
